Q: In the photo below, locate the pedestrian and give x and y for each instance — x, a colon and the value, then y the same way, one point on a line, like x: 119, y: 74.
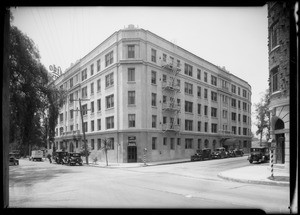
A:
x: 49, y: 157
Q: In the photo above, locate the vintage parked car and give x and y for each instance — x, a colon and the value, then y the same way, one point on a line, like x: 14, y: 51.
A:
x: 238, y: 152
x: 74, y: 158
x: 60, y: 157
x: 13, y: 159
x: 230, y: 153
x: 206, y: 153
x: 197, y: 156
x: 259, y: 154
x: 219, y: 153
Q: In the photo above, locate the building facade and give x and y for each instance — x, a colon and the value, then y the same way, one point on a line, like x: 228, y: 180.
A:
x: 151, y: 98
x: 279, y: 71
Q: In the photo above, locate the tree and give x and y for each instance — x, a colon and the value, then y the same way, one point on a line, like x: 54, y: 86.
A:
x: 106, y: 146
x: 262, y: 116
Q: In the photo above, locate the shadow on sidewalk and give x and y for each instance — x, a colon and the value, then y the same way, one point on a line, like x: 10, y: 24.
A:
x: 279, y: 178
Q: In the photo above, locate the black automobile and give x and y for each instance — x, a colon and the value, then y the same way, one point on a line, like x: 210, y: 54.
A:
x: 238, y: 152
x: 259, y: 154
x: 74, y: 158
x: 219, y: 153
x: 61, y: 157
x: 13, y: 159
x: 231, y: 153
x: 206, y: 153
x: 197, y: 156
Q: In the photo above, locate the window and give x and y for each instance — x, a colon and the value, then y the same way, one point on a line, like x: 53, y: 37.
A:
x: 164, y: 99
x: 130, y: 51
x: 92, y: 69
x: 233, y: 116
x: 239, y: 130
x: 153, y: 77
x: 199, y: 109
x: 84, y: 92
x: 92, y: 125
x: 244, y: 106
x: 99, y: 124
x: 109, y: 80
x: 188, y: 69
x: 188, y: 143
x: 131, y: 120
x: 154, y: 141
x: 71, y: 114
x: 109, y: 122
x: 225, y: 99
x: 224, y: 85
x: 188, y: 88
x: 199, y: 74
x: 165, y: 141
x: 225, y: 113
x: 84, y: 109
x: 92, y: 107
x: 274, y: 79
x: 205, y: 93
x: 164, y: 57
x: 178, y: 83
x: 233, y: 128
x: 153, y: 55
x: 61, y: 117
x: 213, y: 80
x: 109, y: 58
x: 83, y: 75
x: 199, y: 91
x: 98, y: 144
x: 99, y: 104
x: 244, y: 131
x: 233, y: 88
x: 213, y: 128
x: 131, y: 74
x: 199, y: 143
x: 154, y: 118
x: 131, y: 97
x: 98, y: 85
x: 153, y: 99
x: 233, y: 103
x: 206, y: 126
x: 239, y: 117
x: 188, y: 107
x: 244, y: 93
x: 213, y: 96
x: 71, y: 82
x: 92, y: 88
x: 98, y: 65
x: 214, y: 112
x: 111, y: 143
x: 274, y: 35
x: 199, y: 125
x: 85, y: 126
x: 172, y: 145
x: 164, y: 78
x: 110, y: 101
x: 71, y: 98
x: 244, y: 118
x: 66, y: 115
x: 239, y: 91
x: 205, y: 110
x: 205, y: 76
x: 188, y: 125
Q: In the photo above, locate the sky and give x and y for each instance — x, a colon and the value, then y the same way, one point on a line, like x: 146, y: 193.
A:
x: 234, y: 37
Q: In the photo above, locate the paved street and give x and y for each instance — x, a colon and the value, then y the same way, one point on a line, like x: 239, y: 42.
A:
x: 182, y: 185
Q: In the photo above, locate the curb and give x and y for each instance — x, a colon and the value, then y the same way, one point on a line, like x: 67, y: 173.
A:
x: 285, y: 184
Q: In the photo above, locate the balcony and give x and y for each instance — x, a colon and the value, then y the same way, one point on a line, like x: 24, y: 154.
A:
x: 171, y: 127
x: 171, y: 65
x: 72, y: 134
x: 170, y: 106
x: 171, y: 85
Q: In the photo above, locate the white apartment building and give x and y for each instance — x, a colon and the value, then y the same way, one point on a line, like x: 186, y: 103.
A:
x: 143, y: 92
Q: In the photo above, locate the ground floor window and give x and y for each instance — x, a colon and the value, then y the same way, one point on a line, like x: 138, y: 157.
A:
x: 188, y: 143
x: 245, y: 143
x: 154, y: 140
x: 199, y: 143
x: 172, y: 143
x: 98, y: 144
x: 165, y: 141
x: 178, y: 141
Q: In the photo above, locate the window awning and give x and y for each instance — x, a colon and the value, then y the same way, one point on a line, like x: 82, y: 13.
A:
x: 230, y: 142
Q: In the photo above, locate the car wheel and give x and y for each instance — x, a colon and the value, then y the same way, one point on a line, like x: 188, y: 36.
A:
x: 251, y: 161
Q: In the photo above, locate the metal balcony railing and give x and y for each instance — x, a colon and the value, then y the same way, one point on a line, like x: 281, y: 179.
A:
x: 171, y: 127
x: 170, y: 85
x: 171, y: 65
x: 169, y: 106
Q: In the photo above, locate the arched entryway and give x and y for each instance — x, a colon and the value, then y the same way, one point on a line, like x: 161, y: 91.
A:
x: 280, y: 143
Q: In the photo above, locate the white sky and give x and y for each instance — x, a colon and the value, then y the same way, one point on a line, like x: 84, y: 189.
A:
x: 234, y: 37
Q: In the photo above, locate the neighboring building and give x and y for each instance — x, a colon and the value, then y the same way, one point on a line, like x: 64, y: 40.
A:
x: 279, y: 71
x: 145, y: 92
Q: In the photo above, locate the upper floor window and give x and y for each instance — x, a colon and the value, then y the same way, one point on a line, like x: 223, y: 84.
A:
x: 131, y: 74
x: 92, y: 69
x: 84, y: 92
x: 188, y: 88
x: 239, y: 91
x: 199, y: 91
x: 109, y: 80
x: 214, y: 96
x: 92, y: 107
x: 153, y: 55
x: 214, y: 128
x: 84, y: 75
x: 98, y: 65
x: 71, y: 82
x: 153, y: 77
x: 205, y: 76
x: 84, y: 109
x: 98, y: 85
x: 224, y: 85
x: 109, y: 58
x: 188, y: 125
x: 92, y: 88
x: 154, y: 119
x: 213, y: 80
x: 131, y: 97
x: 214, y: 112
x: 153, y: 99
x: 109, y: 122
x: 274, y: 79
x: 274, y: 33
x: 131, y: 120
x: 233, y: 102
x: 188, y: 69
x: 110, y: 101
x: 199, y: 74
x: 244, y: 93
x: 164, y: 57
x: 233, y: 88
x: 188, y: 107
x: 130, y: 51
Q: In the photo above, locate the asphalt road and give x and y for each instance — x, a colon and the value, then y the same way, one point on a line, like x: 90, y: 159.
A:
x: 182, y: 185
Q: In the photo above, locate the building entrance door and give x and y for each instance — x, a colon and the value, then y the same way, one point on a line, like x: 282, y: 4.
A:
x: 132, y: 156
x: 280, y: 148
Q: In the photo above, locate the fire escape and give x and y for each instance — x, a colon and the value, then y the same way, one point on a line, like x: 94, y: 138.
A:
x: 171, y: 89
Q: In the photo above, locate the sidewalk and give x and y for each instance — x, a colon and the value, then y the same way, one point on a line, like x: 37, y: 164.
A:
x: 257, y: 174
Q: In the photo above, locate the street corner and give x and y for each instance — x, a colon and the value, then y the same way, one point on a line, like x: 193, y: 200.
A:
x: 254, y: 175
